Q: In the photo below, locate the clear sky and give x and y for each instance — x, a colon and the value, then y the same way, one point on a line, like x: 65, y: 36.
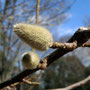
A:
x: 79, y: 11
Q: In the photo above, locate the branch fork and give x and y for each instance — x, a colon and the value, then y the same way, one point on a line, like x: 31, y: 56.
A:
x: 79, y: 39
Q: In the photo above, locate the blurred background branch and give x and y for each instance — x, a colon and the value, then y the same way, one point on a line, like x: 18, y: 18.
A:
x: 37, y: 11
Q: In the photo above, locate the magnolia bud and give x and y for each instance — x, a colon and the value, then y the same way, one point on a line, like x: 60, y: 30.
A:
x: 30, y: 60
x: 36, y: 36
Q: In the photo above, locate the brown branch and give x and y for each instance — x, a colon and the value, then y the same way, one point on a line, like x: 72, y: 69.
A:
x: 31, y: 83
x: 86, y: 45
x: 81, y: 36
x: 75, y: 85
x: 64, y: 45
x: 37, y: 11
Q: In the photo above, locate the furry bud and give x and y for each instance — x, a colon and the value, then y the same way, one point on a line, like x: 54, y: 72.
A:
x: 30, y: 60
x: 36, y: 36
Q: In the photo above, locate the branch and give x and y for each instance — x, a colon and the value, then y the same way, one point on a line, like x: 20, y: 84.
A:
x: 86, y: 45
x: 31, y: 83
x: 75, y: 85
x: 37, y: 11
x: 81, y: 36
x: 64, y: 45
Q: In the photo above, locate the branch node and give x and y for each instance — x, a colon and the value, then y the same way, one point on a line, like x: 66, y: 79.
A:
x: 31, y: 83
x: 72, y: 45
x: 43, y: 64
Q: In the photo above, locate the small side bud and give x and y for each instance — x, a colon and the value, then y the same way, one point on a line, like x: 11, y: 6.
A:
x: 30, y: 60
x: 36, y: 36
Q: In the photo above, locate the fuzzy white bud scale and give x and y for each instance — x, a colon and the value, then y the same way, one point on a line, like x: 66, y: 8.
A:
x: 36, y: 36
x: 30, y: 60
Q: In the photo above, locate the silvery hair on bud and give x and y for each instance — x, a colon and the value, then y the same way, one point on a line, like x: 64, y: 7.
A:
x: 36, y: 36
x: 30, y: 60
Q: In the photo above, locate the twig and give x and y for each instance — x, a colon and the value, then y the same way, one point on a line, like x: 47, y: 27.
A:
x: 37, y: 11
x: 86, y: 45
x: 31, y: 83
x: 75, y: 85
x: 81, y: 36
x: 64, y: 45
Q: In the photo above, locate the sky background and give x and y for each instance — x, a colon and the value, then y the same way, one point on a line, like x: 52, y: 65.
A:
x: 79, y: 11
x: 77, y: 14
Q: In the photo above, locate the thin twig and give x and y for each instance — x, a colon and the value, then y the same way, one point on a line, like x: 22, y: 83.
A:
x: 75, y: 85
x: 86, y: 44
x: 37, y: 11
x: 64, y: 45
x: 31, y: 83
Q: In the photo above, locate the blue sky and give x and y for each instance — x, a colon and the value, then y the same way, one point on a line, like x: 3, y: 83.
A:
x: 79, y: 11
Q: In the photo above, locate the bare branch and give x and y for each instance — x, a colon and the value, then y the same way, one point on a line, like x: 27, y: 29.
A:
x: 86, y: 45
x: 64, y: 45
x: 37, y: 11
x: 75, y: 85
x: 81, y: 36
x: 31, y: 83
